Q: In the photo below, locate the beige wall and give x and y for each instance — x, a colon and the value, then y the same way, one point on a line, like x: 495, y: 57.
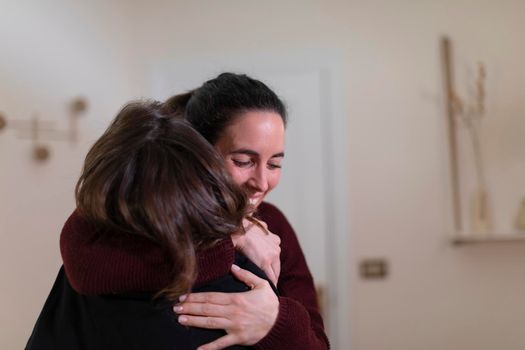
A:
x: 437, y: 296
x: 51, y: 52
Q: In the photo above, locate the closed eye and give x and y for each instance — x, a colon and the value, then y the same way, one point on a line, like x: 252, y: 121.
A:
x: 242, y: 164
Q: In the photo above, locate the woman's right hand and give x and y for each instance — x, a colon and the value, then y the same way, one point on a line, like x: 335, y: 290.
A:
x: 260, y: 246
x: 247, y: 317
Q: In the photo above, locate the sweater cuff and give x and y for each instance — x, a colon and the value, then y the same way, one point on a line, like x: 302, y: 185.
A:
x: 292, y: 330
x: 280, y: 330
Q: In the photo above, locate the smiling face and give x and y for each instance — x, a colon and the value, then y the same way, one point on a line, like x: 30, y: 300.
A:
x: 253, y: 148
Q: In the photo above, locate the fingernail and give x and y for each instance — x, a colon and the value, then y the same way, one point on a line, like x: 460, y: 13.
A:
x: 235, y: 267
x: 182, y: 319
x: 177, y: 308
x: 182, y: 297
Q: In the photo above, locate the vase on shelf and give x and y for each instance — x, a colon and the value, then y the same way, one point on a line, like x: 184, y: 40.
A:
x: 481, y: 223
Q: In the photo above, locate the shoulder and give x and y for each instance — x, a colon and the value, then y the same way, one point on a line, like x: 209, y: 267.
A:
x: 275, y: 219
x: 267, y: 211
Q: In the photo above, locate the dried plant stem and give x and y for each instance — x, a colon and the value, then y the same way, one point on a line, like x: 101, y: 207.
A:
x: 478, y: 159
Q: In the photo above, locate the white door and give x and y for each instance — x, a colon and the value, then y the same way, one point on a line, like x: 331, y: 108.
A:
x: 301, y: 194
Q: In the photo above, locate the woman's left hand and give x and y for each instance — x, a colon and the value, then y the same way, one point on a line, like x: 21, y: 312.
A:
x: 261, y: 246
x: 246, y: 317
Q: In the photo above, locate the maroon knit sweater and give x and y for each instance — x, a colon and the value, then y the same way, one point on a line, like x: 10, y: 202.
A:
x: 100, y: 263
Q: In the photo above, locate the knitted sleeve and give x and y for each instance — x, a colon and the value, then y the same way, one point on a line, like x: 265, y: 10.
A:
x: 299, y: 323
x: 98, y: 261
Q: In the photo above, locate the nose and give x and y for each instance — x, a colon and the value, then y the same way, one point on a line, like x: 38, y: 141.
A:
x: 259, y: 179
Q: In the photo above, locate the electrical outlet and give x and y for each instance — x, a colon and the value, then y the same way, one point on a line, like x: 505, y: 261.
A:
x: 373, y: 268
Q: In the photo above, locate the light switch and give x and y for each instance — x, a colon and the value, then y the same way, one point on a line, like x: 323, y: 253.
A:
x: 373, y: 268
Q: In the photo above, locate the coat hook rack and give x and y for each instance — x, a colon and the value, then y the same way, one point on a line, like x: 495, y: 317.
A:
x: 39, y: 131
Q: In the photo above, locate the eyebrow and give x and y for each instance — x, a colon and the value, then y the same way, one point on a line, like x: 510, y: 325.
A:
x: 253, y: 153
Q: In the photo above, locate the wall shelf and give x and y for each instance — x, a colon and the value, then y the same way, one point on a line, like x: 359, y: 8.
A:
x: 471, y: 238
x: 479, y: 210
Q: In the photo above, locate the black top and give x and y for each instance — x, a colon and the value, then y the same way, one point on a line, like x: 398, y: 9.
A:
x: 73, y: 321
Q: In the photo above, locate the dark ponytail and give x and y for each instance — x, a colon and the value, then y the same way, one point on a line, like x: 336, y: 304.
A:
x: 176, y: 105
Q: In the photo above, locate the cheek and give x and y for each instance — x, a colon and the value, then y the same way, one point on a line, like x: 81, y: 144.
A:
x: 273, y: 180
x: 238, y: 175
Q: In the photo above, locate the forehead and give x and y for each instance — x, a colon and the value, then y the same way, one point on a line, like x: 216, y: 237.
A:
x: 255, y: 129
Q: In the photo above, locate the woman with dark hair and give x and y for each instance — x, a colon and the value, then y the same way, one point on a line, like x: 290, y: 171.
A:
x: 156, y: 205
x: 245, y: 121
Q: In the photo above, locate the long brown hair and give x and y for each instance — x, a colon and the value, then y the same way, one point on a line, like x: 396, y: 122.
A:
x: 151, y: 174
